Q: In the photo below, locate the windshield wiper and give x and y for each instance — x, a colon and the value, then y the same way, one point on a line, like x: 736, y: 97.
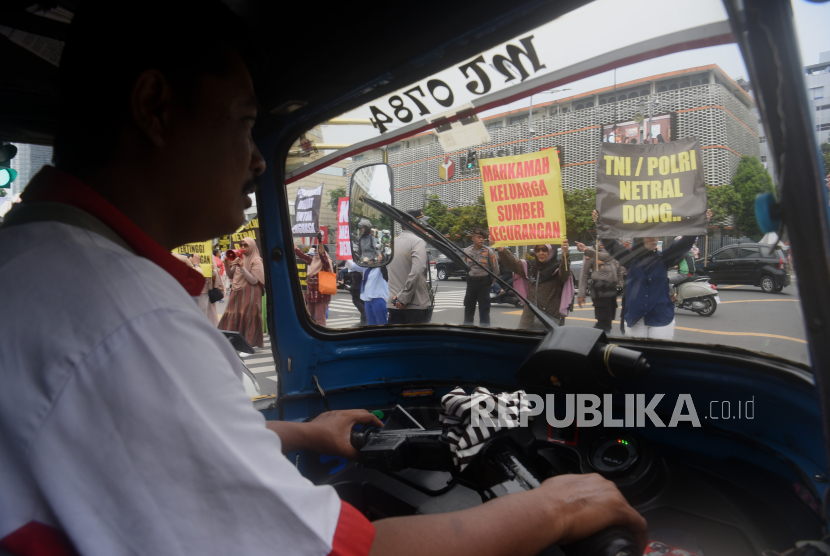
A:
x: 452, y: 251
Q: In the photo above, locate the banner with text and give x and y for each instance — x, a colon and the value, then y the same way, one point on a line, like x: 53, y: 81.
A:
x: 307, y: 212
x: 204, y: 250
x: 651, y: 190
x: 523, y: 196
x: 344, y: 240
x: 234, y: 241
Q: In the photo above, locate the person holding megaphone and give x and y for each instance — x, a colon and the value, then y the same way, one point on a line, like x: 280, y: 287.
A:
x: 247, y: 275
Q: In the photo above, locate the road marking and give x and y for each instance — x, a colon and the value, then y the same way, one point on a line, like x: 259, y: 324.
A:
x: 730, y: 287
x: 759, y: 334
x: 750, y: 300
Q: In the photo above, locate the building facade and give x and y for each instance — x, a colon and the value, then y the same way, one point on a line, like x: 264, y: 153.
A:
x: 703, y: 102
x: 818, y: 91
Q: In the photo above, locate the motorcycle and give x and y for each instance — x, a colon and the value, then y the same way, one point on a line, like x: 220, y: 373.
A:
x: 694, y: 293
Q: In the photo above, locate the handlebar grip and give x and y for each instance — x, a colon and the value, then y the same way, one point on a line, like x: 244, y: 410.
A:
x: 614, y: 541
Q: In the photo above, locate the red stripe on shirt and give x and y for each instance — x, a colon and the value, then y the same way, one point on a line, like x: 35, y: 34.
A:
x: 354, y: 533
x: 37, y: 539
x: 54, y: 186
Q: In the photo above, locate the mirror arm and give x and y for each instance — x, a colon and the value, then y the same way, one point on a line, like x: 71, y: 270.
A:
x: 453, y: 252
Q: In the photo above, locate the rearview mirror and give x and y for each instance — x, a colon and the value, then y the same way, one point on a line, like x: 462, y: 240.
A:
x: 371, y: 231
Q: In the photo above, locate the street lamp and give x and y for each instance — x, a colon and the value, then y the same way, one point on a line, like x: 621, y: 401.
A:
x: 530, y: 115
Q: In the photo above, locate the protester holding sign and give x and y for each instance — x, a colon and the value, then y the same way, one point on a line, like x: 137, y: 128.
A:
x: 317, y: 302
x: 244, y: 312
x: 648, y: 310
x: 549, y: 283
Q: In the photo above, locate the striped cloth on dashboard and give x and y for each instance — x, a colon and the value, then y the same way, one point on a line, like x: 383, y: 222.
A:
x: 495, y: 412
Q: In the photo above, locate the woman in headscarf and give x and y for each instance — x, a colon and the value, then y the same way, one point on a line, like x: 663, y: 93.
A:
x: 215, y: 281
x: 244, y: 311
x: 546, y: 278
x: 317, y: 303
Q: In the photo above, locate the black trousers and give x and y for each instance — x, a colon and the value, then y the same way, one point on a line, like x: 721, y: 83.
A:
x: 605, y: 309
x: 408, y: 316
x: 478, y: 291
x: 354, y: 289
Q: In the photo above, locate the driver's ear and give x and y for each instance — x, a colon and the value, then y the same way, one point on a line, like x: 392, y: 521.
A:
x: 150, y: 104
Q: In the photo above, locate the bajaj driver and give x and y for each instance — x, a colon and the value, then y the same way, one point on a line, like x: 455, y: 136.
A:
x: 124, y: 426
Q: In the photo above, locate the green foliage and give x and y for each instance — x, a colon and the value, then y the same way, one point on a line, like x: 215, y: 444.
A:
x: 750, y: 179
x: 2, y: 192
x: 467, y: 218
x: 723, y: 201
x: 579, y: 206
x: 440, y: 217
x: 825, y: 154
x: 334, y: 197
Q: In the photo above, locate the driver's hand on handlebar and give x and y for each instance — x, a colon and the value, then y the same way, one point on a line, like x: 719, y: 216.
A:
x: 331, y: 431
x: 589, y: 504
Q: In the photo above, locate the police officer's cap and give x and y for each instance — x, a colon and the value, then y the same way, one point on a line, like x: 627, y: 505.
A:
x: 482, y: 231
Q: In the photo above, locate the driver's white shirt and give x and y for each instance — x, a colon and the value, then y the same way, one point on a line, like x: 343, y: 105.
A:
x: 124, y: 424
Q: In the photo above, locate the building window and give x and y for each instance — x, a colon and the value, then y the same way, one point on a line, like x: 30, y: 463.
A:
x: 579, y: 107
x: 823, y: 107
x: 685, y: 84
x: 695, y: 82
x: 645, y: 93
x: 495, y: 125
x: 602, y: 101
x: 612, y: 99
x: 704, y: 80
x: 517, y: 120
x: 763, y: 159
x: 817, y: 92
x: 673, y: 87
x: 589, y: 104
x: 823, y: 127
x: 633, y: 95
x: 762, y: 139
x: 358, y: 157
x: 394, y: 149
x: 662, y: 89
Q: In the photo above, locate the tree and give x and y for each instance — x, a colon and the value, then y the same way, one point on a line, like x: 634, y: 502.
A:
x: 334, y: 197
x: 579, y: 206
x: 825, y: 154
x: 750, y: 179
x: 440, y: 217
x: 723, y: 201
x: 469, y: 217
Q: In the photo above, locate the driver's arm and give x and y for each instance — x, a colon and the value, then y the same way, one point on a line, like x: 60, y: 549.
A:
x: 562, y: 510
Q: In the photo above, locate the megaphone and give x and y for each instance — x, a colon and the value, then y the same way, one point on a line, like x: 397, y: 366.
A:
x: 233, y: 254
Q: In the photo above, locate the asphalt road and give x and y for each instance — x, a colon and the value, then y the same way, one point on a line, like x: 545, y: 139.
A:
x: 746, y: 318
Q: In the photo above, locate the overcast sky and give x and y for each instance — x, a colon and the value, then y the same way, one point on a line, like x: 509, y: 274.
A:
x: 626, y: 23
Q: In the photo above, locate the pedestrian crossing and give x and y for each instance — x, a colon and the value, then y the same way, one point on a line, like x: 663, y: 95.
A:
x: 261, y: 363
x: 443, y: 300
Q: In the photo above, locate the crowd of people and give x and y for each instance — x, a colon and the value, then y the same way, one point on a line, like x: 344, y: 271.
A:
x: 635, y: 270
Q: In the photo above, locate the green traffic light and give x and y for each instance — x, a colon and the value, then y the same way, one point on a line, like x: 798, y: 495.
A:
x: 7, y: 176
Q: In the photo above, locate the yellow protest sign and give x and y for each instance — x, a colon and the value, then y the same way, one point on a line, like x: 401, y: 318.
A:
x: 523, y: 196
x: 204, y: 250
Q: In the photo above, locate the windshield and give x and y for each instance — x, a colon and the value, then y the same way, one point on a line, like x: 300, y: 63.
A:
x: 651, y: 122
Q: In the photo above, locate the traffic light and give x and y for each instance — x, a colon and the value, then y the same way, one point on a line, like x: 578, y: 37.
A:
x: 472, y: 161
x: 7, y: 173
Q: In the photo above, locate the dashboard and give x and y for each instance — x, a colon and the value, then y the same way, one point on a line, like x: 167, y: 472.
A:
x: 693, y: 502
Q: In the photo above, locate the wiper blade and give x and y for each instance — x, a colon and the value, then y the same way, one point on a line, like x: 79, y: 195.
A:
x: 451, y: 251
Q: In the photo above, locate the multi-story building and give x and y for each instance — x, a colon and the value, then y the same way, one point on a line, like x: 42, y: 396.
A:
x: 818, y: 89
x: 700, y: 102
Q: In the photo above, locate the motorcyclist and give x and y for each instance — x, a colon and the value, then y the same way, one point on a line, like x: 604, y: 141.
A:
x: 499, y: 295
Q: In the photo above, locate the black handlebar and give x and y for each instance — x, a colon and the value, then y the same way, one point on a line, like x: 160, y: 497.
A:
x: 421, y: 449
